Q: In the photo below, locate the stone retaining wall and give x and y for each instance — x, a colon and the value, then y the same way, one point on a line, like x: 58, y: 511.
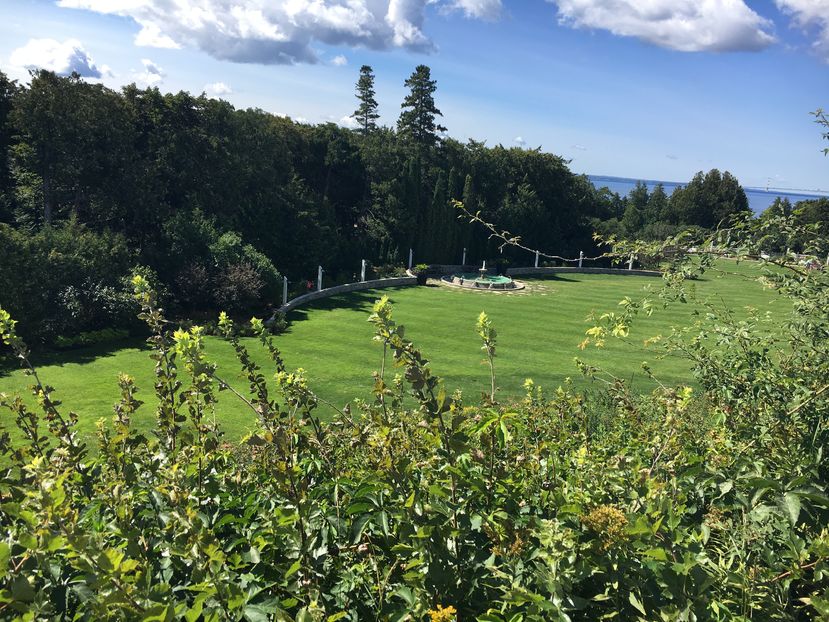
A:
x: 568, y: 269
x: 348, y: 287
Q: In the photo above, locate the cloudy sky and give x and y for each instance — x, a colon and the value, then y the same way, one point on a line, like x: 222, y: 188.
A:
x: 655, y: 89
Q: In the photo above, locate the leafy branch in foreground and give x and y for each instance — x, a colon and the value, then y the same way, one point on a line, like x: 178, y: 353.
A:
x: 707, y: 503
x: 505, y: 238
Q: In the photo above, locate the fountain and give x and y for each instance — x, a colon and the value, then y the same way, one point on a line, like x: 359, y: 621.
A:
x: 482, y: 280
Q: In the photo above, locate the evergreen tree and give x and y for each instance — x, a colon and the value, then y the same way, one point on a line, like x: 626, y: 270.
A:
x: 470, y: 202
x: 417, y: 120
x: 636, y: 206
x: 639, y: 196
x: 366, y: 114
x: 439, y: 232
x: 708, y: 199
x: 657, y: 205
x: 633, y: 219
x: 8, y: 89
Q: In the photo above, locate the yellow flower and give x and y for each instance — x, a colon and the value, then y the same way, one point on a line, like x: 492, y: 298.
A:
x: 442, y: 614
x: 608, y: 523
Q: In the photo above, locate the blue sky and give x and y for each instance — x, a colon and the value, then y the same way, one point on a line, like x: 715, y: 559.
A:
x: 654, y: 89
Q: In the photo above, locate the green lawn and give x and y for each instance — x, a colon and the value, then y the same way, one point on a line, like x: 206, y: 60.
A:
x: 538, y: 334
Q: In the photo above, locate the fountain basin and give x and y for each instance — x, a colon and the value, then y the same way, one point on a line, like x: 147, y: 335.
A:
x: 471, y: 280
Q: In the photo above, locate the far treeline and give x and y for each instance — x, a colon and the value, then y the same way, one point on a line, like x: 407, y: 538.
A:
x: 214, y: 204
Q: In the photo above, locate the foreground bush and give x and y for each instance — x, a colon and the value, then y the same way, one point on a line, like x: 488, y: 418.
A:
x: 419, y: 506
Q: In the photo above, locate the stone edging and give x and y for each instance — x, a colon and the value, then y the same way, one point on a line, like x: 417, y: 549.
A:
x: 348, y: 287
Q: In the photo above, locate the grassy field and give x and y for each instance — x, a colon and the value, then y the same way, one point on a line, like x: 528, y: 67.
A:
x: 538, y: 334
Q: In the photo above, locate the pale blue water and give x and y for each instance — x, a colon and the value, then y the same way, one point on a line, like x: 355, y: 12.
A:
x: 758, y: 198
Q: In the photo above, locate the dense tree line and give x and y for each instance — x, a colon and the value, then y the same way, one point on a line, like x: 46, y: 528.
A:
x: 217, y: 203
x: 708, y: 200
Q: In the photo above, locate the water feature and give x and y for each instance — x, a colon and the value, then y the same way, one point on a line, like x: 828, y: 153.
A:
x: 482, y: 280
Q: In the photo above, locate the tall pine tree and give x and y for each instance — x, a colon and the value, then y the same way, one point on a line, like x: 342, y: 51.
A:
x: 417, y: 120
x: 366, y: 114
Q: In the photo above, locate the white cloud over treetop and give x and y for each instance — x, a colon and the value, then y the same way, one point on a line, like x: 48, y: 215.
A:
x: 684, y: 25
x: 268, y: 32
x: 216, y: 89
x: 62, y: 57
x: 151, y: 75
x: 808, y: 14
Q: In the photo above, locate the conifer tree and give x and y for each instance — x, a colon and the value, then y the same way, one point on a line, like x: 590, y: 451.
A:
x: 366, y: 114
x: 417, y: 120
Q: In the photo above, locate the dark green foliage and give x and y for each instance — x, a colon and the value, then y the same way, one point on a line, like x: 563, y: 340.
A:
x: 708, y: 200
x: 65, y: 279
x: 173, y: 173
x: 813, y: 212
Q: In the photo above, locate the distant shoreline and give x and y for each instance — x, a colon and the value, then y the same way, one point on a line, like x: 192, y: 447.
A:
x: 802, y: 192
x: 759, y: 199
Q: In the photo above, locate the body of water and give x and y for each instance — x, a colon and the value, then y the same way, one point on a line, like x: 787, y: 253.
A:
x: 758, y: 198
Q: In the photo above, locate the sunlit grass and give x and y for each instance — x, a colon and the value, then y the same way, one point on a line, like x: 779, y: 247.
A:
x: 539, y: 330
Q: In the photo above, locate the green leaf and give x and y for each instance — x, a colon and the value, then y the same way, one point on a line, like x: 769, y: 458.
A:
x: 293, y: 569
x: 791, y: 505
x: 636, y: 603
x: 22, y: 590
x: 158, y: 613
x: 5, y: 555
x: 657, y: 554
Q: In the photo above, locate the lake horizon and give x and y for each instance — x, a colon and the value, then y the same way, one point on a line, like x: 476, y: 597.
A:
x: 758, y: 198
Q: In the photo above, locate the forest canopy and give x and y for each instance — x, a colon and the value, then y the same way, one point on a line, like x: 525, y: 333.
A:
x: 215, y: 204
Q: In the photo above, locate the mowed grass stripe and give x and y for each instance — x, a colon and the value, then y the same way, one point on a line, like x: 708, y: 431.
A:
x: 538, y: 335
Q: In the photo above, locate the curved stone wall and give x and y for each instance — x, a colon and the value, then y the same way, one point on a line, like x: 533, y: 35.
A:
x: 348, y: 287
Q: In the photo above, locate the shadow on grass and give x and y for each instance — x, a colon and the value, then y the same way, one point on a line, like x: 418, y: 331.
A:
x: 361, y: 301
x: 43, y: 358
x: 560, y: 277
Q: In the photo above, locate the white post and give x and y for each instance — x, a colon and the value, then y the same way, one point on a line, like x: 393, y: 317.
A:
x: 581, y: 257
x: 463, y: 262
x: 827, y: 259
x: 410, y: 259
x: 363, y: 272
x: 484, y: 265
x: 284, y: 290
x: 319, y: 278
x: 630, y: 263
x: 536, y: 259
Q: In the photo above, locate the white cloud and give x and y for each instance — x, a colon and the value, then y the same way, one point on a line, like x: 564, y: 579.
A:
x: 807, y: 14
x: 519, y: 140
x: 684, y: 25
x: 63, y: 58
x: 339, y: 60
x: 478, y: 9
x: 579, y: 147
x: 152, y: 74
x: 263, y: 31
x: 217, y: 89
x: 349, y: 122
